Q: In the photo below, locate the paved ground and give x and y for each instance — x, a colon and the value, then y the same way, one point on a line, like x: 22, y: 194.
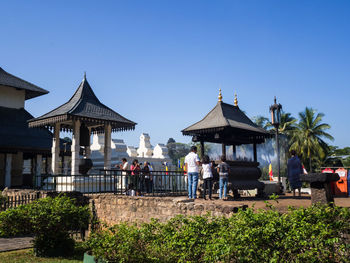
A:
x: 8, y: 244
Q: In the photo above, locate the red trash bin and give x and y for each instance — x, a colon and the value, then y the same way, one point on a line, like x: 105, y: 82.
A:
x: 341, y: 186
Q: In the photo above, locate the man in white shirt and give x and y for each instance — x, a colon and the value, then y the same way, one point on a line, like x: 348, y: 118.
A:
x: 125, y: 167
x: 192, y: 162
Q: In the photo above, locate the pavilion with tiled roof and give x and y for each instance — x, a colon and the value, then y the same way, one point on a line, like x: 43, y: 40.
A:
x: 83, y: 112
x: 228, y: 125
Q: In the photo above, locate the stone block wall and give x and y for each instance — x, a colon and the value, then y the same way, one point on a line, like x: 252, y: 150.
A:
x: 113, y: 209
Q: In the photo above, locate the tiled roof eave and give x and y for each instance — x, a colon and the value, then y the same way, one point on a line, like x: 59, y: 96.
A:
x: 50, y: 122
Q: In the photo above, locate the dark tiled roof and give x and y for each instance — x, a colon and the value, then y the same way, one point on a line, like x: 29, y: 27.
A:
x: 32, y: 91
x: 84, y: 105
x: 17, y: 136
x: 228, y: 119
x: 225, y: 115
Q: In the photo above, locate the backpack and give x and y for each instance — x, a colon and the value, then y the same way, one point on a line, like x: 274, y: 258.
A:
x: 223, y: 168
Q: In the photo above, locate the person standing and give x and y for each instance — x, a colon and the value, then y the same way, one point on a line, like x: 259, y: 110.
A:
x: 207, y: 176
x: 148, y: 178
x: 191, y: 163
x: 135, y: 173
x: 295, y: 169
x: 124, y: 167
x: 223, y: 170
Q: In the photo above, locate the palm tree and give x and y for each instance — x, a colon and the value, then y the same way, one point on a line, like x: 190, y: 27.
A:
x: 287, y: 124
x: 262, y: 122
x: 309, y: 134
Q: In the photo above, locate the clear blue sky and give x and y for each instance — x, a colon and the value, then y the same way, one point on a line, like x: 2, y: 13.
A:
x: 160, y: 63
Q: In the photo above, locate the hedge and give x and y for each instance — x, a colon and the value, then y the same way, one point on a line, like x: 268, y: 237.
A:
x: 50, y: 220
x: 314, y: 234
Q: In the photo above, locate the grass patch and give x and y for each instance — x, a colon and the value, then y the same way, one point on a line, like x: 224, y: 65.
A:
x: 27, y: 255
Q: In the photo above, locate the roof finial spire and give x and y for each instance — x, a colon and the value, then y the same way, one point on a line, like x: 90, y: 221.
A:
x: 236, y: 100
x: 220, y: 96
x: 84, y: 75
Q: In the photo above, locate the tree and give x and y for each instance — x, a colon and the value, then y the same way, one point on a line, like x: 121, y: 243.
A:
x: 171, y: 140
x: 262, y: 122
x: 177, y: 150
x: 308, y: 137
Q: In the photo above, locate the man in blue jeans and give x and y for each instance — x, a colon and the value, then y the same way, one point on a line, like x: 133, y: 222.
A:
x: 192, y: 162
x: 223, y: 170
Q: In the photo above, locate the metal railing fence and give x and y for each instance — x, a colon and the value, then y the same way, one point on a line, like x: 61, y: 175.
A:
x: 7, y: 202
x: 117, y: 182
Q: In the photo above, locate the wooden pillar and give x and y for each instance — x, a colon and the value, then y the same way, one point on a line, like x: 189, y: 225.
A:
x: 223, y: 149
x: 202, y: 149
x: 38, y: 164
x: 75, y: 148
x: 55, y: 150
x: 8, y: 169
x: 255, y: 153
x: 107, y: 147
x: 234, y: 153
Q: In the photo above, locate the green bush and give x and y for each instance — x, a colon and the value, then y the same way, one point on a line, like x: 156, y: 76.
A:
x: 315, y: 234
x: 15, y: 222
x: 50, y: 220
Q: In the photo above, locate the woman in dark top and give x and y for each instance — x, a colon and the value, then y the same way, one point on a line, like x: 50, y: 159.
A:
x: 295, y: 169
x: 147, y: 178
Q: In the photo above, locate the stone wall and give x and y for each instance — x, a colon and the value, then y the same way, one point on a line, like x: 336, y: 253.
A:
x: 113, y: 209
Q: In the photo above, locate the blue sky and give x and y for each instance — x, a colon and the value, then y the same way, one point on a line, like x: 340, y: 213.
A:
x: 161, y: 63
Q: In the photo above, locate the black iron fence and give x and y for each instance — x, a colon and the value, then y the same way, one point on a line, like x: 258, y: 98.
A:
x: 14, y: 201
x: 118, y: 182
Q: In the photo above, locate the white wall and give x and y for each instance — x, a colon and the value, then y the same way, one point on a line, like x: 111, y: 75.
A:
x: 11, y: 98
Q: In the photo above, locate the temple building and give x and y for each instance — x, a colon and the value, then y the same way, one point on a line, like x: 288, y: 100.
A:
x: 22, y: 150
x: 156, y: 156
x: 82, y: 115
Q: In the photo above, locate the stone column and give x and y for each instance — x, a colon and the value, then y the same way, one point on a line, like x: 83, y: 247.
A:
x: 223, y: 146
x: 75, y: 148
x: 255, y: 152
x: 65, y: 165
x: 234, y: 152
x: 8, y: 169
x: 55, y: 150
x: 38, y: 163
x: 87, y: 148
x: 107, y: 147
x: 202, y: 149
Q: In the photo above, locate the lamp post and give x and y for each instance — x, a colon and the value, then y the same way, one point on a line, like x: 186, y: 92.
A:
x: 275, y: 111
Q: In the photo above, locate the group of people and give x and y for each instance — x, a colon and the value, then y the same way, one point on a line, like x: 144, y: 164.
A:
x: 140, y: 176
x: 192, y: 164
